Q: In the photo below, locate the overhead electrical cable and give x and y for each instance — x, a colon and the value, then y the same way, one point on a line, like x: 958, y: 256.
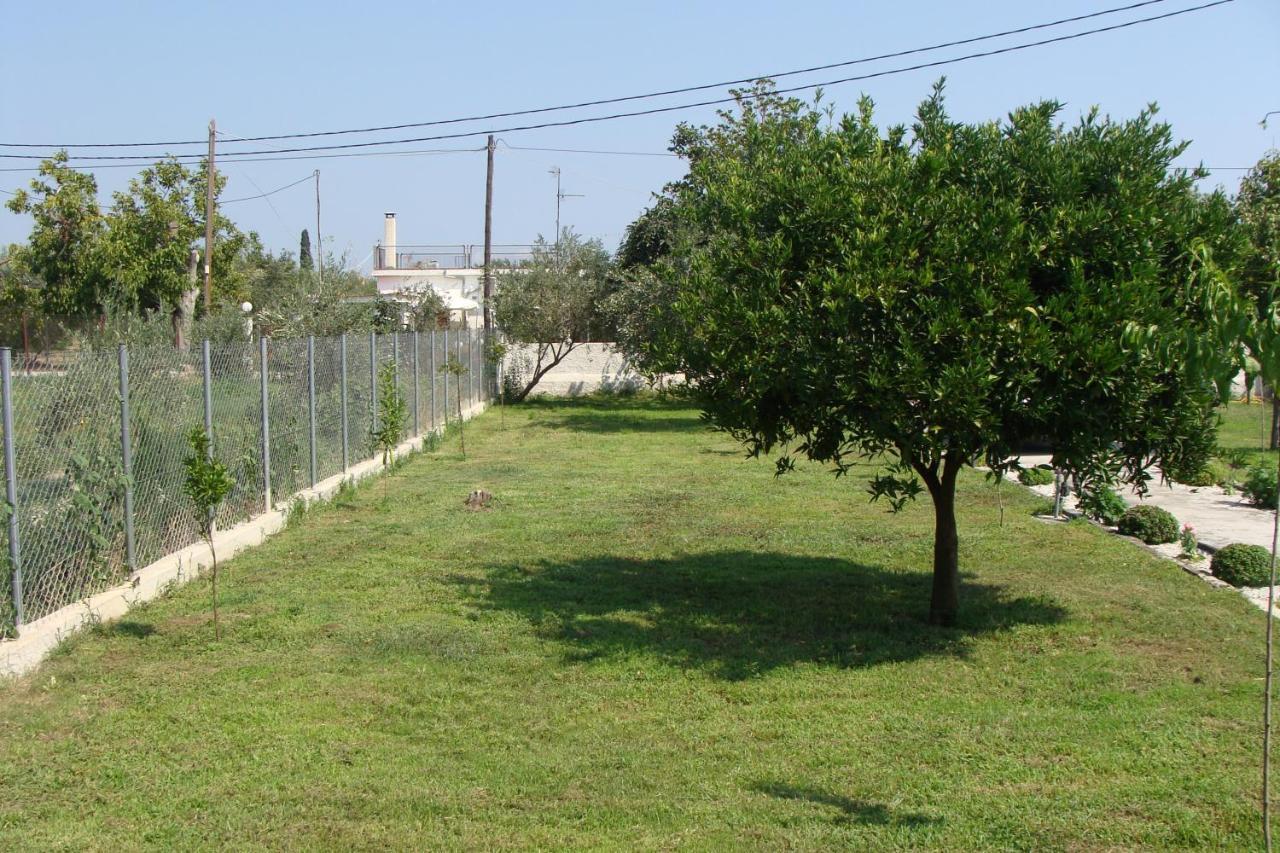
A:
x: 511, y: 147
x: 614, y: 100
x: 266, y: 194
x: 194, y: 160
x: 711, y: 102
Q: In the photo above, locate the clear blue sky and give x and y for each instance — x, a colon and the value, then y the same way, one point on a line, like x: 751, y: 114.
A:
x: 103, y: 72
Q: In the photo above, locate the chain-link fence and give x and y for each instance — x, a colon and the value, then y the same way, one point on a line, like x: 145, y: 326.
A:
x: 94, y: 448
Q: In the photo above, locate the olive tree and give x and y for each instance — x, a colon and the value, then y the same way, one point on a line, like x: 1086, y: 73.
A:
x: 552, y: 302
x: 938, y: 295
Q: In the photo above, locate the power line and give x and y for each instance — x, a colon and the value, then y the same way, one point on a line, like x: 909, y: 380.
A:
x: 615, y: 100
x: 266, y: 194
x: 712, y: 102
x: 194, y: 160
x: 507, y: 145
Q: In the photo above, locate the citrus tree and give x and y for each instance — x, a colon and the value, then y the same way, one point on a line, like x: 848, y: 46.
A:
x: 207, y: 483
x: 940, y: 294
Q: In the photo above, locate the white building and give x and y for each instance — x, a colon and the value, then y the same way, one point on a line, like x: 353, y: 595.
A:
x: 455, y: 272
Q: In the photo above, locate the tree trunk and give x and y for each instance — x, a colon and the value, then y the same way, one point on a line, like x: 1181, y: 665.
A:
x: 944, y: 601
x: 1275, y: 421
x: 185, y: 311
x: 540, y: 370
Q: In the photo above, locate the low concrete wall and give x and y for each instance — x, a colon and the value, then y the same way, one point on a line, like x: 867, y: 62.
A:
x: 587, y: 368
x: 36, y: 639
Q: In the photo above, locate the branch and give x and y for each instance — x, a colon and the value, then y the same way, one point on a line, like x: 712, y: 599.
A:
x: 558, y: 352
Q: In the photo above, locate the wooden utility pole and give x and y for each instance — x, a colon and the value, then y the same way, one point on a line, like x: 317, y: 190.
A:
x: 208, y: 221
x: 319, y: 245
x: 488, y: 240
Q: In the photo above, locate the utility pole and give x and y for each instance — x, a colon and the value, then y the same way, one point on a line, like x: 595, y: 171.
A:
x: 208, y: 221
x: 319, y: 244
x: 488, y: 239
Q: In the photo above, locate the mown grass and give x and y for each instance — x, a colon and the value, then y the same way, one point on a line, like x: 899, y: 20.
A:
x: 1247, y: 428
x: 648, y: 642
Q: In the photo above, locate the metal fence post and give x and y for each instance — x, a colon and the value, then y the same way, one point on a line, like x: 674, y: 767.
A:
x: 266, y: 425
x: 342, y: 358
x: 431, y: 365
x: 206, y: 371
x: 445, y: 350
x: 395, y: 356
x: 373, y: 380
x: 457, y: 384
x: 471, y: 368
x: 126, y: 458
x: 11, y: 482
x: 311, y: 403
x: 417, y: 419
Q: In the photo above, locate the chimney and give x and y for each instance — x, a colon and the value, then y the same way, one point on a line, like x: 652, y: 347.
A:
x: 389, y: 259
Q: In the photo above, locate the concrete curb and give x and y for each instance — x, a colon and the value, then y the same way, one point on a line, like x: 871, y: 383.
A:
x: 36, y: 639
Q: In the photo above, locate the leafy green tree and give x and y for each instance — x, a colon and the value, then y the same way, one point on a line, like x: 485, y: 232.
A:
x: 454, y: 367
x: 150, y: 230
x: 133, y: 256
x: 289, y: 302
x: 940, y: 295
x: 647, y: 329
x: 304, y: 252
x: 207, y: 483
x: 552, y: 303
x: 1258, y: 204
x: 651, y: 237
x: 63, y: 249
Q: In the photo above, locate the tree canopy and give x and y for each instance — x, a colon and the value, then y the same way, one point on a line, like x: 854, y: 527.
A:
x: 118, y: 270
x: 552, y: 303
x: 938, y: 295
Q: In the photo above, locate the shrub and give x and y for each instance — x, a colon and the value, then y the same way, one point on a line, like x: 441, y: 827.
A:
x: 1259, y: 486
x: 1151, y: 524
x: 1234, y: 457
x: 1242, y: 565
x: 1103, y: 505
x: 1190, y: 544
x: 1035, y: 476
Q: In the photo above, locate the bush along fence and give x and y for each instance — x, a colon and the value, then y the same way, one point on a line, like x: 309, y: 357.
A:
x: 93, y: 451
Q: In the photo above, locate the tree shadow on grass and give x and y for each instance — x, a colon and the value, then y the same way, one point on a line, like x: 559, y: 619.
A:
x: 607, y: 414
x: 127, y: 628
x: 851, y: 811
x: 739, y: 614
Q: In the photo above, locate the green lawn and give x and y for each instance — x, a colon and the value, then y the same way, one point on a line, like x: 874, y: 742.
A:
x: 1247, y: 427
x: 648, y: 642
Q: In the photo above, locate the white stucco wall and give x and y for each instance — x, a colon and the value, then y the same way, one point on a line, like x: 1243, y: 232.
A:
x: 589, y: 367
x: 464, y: 283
